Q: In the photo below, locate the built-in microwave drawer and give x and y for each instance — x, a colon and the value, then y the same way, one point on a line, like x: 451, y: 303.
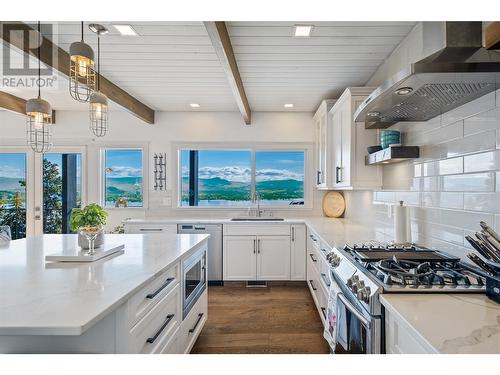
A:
x: 145, y: 299
x: 154, y: 330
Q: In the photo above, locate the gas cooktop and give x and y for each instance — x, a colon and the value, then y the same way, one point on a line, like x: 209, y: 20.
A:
x: 410, y: 268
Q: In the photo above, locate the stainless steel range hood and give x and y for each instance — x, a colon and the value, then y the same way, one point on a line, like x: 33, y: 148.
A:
x: 455, y: 74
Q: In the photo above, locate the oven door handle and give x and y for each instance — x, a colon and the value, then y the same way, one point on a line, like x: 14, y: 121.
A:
x: 353, y: 310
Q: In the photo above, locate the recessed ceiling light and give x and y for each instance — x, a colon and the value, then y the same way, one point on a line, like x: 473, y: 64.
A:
x: 126, y: 30
x: 194, y: 105
x: 288, y: 105
x: 302, y: 30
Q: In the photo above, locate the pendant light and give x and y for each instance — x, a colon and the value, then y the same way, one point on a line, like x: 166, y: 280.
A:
x: 98, y: 101
x: 39, y: 115
x: 81, y: 71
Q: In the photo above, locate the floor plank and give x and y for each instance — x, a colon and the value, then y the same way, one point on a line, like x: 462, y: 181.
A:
x: 276, y: 319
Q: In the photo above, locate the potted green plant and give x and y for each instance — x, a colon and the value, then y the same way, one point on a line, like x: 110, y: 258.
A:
x: 89, y: 216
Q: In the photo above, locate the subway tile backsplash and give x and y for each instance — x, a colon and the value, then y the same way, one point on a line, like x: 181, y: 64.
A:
x: 456, y: 180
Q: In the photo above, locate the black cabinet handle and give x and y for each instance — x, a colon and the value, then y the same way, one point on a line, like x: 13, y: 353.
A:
x: 155, y: 293
x: 312, y: 285
x: 312, y: 238
x: 312, y: 257
x: 323, y: 311
x: 163, y: 326
x: 325, y: 279
x: 318, y: 177
x: 200, y: 315
x: 337, y: 178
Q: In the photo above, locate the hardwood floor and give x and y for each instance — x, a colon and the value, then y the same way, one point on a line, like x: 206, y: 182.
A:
x: 276, y: 319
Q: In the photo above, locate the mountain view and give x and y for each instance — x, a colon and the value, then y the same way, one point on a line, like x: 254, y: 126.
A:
x: 225, y: 177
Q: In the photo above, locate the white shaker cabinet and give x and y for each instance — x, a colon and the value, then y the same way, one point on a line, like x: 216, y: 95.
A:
x: 349, y: 143
x: 323, y: 150
x: 240, y: 258
x: 298, y: 252
x: 273, y: 258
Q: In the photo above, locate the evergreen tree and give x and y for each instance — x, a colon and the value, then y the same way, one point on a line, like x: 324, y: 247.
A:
x: 52, y: 198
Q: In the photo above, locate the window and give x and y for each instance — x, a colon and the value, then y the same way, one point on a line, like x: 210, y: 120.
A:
x: 279, y: 177
x: 227, y: 178
x: 62, y: 190
x: 123, y: 178
x: 13, y: 193
x: 216, y: 177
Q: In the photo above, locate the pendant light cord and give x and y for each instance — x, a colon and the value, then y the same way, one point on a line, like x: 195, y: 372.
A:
x: 98, y: 61
x: 39, y: 48
x: 82, y: 31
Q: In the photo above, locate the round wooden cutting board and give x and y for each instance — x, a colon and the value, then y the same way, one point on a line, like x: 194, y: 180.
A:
x: 333, y: 204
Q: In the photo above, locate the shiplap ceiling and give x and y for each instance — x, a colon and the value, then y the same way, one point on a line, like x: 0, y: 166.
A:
x: 172, y: 64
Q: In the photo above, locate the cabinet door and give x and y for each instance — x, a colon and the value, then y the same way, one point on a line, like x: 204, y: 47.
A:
x: 337, y: 148
x: 298, y: 252
x: 347, y: 151
x: 239, y: 255
x: 273, y: 258
x: 321, y: 151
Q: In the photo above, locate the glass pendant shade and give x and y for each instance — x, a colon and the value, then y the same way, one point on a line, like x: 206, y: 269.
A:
x: 82, y: 74
x: 39, y: 125
x: 98, y: 114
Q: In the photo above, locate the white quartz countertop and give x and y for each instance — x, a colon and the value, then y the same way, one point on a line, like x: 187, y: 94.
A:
x: 45, y: 298
x: 336, y: 232
x: 450, y: 323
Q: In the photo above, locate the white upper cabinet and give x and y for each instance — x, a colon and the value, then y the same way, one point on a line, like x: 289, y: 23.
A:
x: 322, y: 131
x: 341, y: 144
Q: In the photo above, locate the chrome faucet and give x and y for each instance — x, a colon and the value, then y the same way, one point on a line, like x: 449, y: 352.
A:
x: 256, y: 199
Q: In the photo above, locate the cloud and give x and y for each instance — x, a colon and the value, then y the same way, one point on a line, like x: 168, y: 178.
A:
x: 239, y: 174
x: 270, y: 174
x: 11, y: 172
x: 229, y: 173
x: 119, y: 171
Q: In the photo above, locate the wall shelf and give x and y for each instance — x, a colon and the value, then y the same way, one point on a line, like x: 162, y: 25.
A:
x: 393, y: 154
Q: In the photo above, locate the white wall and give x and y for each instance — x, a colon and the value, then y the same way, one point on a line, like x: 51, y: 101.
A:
x: 456, y: 181
x: 170, y: 127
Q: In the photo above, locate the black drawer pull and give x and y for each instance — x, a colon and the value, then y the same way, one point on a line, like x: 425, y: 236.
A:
x: 200, y: 315
x: 163, y: 326
x: 323, y: 311
x: 312, y: 285
x: 312, y: 238
x: 325, y: 279
x: 151, y: 230
x: 312, y: 257
x: 167, y: 283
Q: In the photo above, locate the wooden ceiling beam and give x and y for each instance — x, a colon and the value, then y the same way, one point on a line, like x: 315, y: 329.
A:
x: 492, y: 36
x: 18, y: 105
x: 56, y: 57
x: 222, y: 43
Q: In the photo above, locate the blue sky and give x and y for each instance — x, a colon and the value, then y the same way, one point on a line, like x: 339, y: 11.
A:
x: 124, y: 163
x: 12, y: 165
x: 236, y: 165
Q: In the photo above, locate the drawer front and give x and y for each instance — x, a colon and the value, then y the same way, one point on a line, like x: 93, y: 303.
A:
x: 262, y: 229
x: 157, y: 326
x: 144, y: 300
x: 193, y: 323
x: 150, y: 228
x: 314, y: 260
x: 171, y: 346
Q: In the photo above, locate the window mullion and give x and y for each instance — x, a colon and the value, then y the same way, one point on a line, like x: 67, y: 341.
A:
x: 253, y: 187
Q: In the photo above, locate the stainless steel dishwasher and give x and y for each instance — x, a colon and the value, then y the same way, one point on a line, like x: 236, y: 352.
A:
x: 214, y: 247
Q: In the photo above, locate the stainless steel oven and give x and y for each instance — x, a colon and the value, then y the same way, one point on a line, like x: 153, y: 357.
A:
x: 194, y: 279
x: 357, y: 331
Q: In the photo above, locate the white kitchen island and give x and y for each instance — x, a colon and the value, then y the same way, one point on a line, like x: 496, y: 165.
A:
x: 113, y: 305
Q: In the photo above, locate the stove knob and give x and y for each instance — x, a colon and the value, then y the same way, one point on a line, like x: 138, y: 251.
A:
x: 355, y: 278
x: 363, y: 295
x: 349, y: 282
x: 355, y: 287
x: 361, y: 284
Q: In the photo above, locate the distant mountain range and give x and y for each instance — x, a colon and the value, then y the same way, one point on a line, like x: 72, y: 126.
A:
x: 219, y: 189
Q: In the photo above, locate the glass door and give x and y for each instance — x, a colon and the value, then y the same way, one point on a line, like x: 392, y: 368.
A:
x: 13, y: 193
x: 58, y: 188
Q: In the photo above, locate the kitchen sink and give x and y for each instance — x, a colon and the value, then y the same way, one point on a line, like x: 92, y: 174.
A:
x: 257, y: 219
